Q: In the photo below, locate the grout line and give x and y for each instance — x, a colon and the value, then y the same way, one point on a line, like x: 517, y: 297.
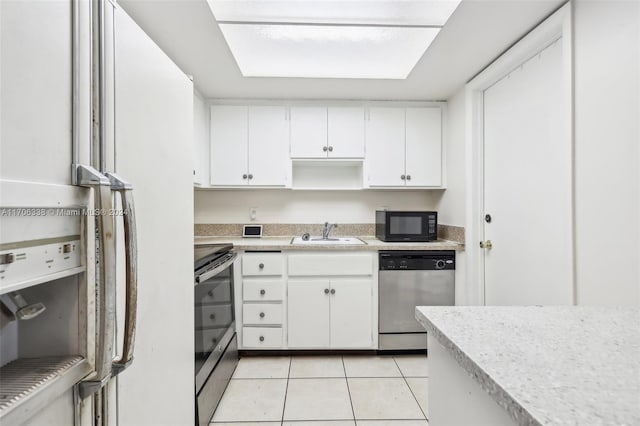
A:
x: 346, y: 379
x: 286, y: 389
x: 410, y: 390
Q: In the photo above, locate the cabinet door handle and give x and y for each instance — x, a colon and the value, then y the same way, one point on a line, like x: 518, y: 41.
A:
x: 262, y: 292
x: 324, y: 148
x: 244, y: 176
x: 261, y: 338
x: 403, y: 177
x: 330, y: 149
x: 326, y: 291
x: 408, y: 177
x: 333, y: 291
x: 250, y: 176
x: 261, y: 314
x: 212, y: 316
x: 261, y: 266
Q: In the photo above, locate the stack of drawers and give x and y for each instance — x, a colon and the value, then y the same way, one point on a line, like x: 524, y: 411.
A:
x: 262, y: 295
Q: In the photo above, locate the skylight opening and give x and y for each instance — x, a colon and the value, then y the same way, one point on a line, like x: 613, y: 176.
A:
x: 376, y: 39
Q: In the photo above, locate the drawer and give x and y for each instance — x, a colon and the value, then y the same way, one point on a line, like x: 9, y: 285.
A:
x: 209, y: 316
x: 261, y: 290
x: 262, y: 313
x: 261, y: 337
x: 342, y: 264
x: 262, y: 264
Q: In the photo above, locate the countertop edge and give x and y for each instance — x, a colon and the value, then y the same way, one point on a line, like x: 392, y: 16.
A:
x: 371, y: 245
x: 516, y: 410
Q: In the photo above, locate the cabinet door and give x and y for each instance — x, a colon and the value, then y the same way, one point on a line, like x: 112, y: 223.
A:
x: 346, y: 132
x: 351, y: 323
x: 269, y: 163
x: 424, y: 146
x: 228, y: 145
x: 385, y: 146
x: 308, y: 313
x: 308, y: 132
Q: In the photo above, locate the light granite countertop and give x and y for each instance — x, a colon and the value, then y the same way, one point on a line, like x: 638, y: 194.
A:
x: 548, y: 365
x: 284, y: 243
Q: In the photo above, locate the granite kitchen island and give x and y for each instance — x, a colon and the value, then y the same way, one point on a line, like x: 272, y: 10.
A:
x: 533, y: 365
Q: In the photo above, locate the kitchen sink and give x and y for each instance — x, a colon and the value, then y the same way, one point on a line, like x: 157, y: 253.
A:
x: 329, y: 241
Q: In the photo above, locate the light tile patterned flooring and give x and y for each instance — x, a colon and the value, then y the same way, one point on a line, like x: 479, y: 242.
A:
x: 327, y: 390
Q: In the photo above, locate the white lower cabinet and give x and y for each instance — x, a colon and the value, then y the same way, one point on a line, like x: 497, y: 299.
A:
x: 308, y: 300
x: 332, y: 313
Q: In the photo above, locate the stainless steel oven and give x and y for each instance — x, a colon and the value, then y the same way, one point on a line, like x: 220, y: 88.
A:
x: 216, y: 349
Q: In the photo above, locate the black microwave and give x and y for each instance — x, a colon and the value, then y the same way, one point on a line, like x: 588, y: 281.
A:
x: 396, y: 226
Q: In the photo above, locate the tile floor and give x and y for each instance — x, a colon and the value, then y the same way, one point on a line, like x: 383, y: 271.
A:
x: 326, y: 390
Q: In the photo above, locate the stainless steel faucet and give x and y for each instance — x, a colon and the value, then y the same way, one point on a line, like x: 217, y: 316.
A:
x: 327, y: 229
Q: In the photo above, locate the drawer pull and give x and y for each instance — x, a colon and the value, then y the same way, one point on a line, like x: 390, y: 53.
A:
x: 212, y: 316
x: 263, y: 292
x: 261, y: 314
x: 261, y: 266
x: 261, y: 338
x: 210, y: 293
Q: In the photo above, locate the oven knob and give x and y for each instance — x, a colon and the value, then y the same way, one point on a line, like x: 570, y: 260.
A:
x: 439, y: 264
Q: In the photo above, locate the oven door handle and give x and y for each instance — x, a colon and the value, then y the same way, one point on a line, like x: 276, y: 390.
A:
x: 215, y: 271
x: 125, y: 190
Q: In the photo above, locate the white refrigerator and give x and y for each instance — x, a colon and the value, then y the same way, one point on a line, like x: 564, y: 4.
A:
x: 96, y: 220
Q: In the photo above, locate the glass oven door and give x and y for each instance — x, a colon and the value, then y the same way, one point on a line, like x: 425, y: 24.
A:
x: 214, y: 317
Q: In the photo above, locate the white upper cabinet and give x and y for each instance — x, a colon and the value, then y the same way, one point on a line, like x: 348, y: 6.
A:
x: 249, y: 146
x: 269, y: 163
x: 327, y: 132
x: 308, y: 132
x: 345, y: 132
x: 404, y: 147
x: 423, y: 165
x: 229, y: 145
x: 385, y: 146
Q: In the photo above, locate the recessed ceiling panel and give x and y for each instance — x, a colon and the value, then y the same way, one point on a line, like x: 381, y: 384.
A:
x: 379, y: 12
x: 325, y: 51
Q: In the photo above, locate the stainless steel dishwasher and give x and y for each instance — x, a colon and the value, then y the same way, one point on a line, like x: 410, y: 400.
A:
x: 408, y: 279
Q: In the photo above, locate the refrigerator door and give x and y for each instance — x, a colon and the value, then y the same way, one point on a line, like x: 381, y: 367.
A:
x: 152, y: 127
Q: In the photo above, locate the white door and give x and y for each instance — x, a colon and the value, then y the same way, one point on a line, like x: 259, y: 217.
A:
x: 527, y: 186
x: 308, y: 132
x: 269, y: 163
x: 308, y: 313
x: 154, y: 143
x: 346, y: 132
x: 385, y: 146
x: 229, y: 145
x: 424, y: 146
x: 351, y: 325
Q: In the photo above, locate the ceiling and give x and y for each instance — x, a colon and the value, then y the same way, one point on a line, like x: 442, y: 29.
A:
x: 477, y: 32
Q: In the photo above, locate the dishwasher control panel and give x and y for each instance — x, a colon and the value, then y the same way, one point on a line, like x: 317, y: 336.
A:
x: 418, y: 260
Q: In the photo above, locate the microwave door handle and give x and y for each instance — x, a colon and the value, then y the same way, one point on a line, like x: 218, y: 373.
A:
x: 87, y: 176
x: 125, y: 190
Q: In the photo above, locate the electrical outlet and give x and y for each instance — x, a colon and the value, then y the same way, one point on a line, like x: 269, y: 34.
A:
x: 253, y: 213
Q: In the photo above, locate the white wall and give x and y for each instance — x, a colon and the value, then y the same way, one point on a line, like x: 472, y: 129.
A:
x: 451, y: 203
x: 451, y: 208
x: 201, y: 139
x: 289, y: 206
x: 607, y: 153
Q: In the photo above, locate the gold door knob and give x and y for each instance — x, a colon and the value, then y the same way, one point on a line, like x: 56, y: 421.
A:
x: 486, y: 244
